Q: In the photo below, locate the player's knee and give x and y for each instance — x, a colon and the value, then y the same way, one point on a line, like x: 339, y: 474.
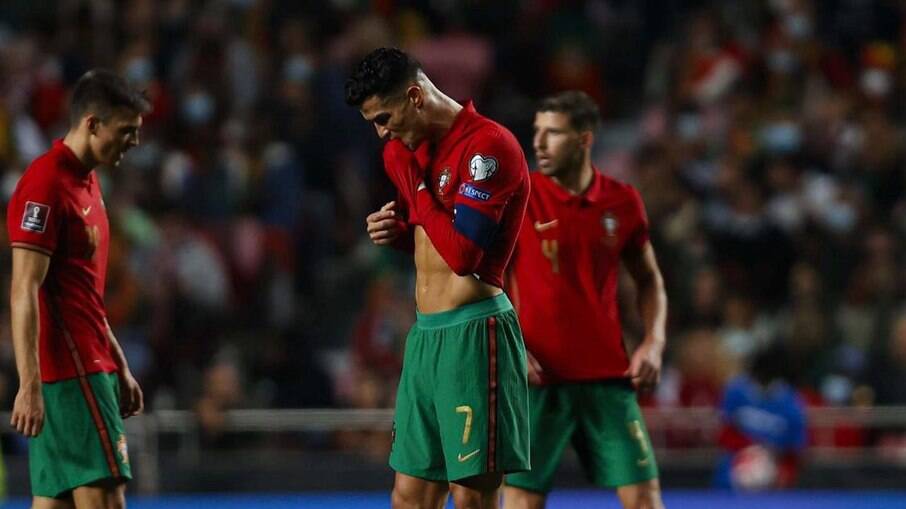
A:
x: 405, y: 499
x: 116, y: 500
x: 517, y: 498
x: 642, y: 496
x: 479, y: 492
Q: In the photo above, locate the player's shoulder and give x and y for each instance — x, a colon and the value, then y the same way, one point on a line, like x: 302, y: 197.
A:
x: 616, y: 187
x: 44, y: 171
x: 490, y: 134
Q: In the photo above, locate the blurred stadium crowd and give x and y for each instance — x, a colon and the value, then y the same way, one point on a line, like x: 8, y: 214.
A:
x: 766, y: 137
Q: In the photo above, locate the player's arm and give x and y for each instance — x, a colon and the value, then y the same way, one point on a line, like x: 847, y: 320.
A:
x: 463, y: 237
x: 651, y: 298
x: 389, y: 226
x: 131, y: 397
x: 29, y: 270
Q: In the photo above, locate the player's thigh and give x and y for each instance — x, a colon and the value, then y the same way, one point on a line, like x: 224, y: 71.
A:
x: 105, y: 494
x: 518, y: 498
x: 416, y: 450
x: 481, y: 403
x: 414, y: 493
x: 477, y: 492
x: 552, y: 423
x: 643, y: 495
x: 52, y: 503
x: 612, y: 440
x: 83, y: 439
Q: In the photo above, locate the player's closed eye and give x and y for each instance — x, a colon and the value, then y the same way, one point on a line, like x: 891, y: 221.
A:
x: 382, y: 119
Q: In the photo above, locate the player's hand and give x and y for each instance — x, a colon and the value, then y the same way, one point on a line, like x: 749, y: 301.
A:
x: 535, y: 371
x: 384, y: 226
x: 132, y: 401
x: 28, y: 410
x: 645, y: 365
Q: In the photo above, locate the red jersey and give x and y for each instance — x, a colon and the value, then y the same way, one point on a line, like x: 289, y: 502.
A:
x: 57, y: 209
x: 477, y: 183
x: 565, y: 271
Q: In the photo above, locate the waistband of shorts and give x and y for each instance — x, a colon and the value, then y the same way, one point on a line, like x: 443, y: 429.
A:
x: 474, y: 311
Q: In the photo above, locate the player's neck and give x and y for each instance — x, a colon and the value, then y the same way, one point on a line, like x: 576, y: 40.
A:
x: 577, y: 180
x: 442, y: 112
x: 78, y: 144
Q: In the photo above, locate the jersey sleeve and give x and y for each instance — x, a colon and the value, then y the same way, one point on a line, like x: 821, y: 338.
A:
x: 34, y: 216
x: 641, y: 234
x: 494, y: 169
x: 400, y: 165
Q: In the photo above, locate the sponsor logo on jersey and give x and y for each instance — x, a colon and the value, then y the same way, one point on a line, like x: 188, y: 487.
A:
x: 540, y: 227
x: 482, y: 168
x: 470, y: 191
x: 35, y: 217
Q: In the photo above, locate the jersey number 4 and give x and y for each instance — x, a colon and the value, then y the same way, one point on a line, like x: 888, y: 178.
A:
x: 550, y: 250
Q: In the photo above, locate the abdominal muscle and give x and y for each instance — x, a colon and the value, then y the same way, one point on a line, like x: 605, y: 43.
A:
x: 437, y: 287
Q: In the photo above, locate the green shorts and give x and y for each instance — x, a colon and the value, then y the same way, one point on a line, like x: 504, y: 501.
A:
x: 82, y: 441
x: 462, y: 402
x: 606, y: 427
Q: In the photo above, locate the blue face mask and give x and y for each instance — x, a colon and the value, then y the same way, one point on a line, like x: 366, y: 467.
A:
x: 297, y: 69
x: 782, y: 61
x: 688, y: 126
x: 198, y: 108
x: 139, y: 70
x: 798, y: 26
x: 781, y: 137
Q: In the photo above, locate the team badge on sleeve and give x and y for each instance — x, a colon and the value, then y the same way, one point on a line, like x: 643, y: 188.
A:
x: 35, y: 217
x: 482, y: 168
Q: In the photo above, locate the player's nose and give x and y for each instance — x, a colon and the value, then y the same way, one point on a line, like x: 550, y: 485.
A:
x: 382, y: 131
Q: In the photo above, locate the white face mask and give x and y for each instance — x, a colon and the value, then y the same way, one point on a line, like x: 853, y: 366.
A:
x: 875, y: 82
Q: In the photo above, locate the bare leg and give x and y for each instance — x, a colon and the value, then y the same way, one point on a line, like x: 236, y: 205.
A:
x: 518, y: 498
x: 478, y: 492
x: 51, y: 503
x: 107, y: 494
x: 644, y: 495
x: 414, y: 493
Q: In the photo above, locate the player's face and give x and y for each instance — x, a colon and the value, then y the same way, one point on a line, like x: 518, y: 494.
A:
x: 558, y: 146
x: 393, y: 119
x: 112, y: 137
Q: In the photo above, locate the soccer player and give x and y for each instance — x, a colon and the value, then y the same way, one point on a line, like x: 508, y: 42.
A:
x: 580, y: 224
x: 462, y: 411
x: 75, y: 386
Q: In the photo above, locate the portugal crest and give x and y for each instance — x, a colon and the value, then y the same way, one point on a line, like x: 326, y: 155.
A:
x: 123, y: 449
x: 443, y: 180
x: 611, y: 226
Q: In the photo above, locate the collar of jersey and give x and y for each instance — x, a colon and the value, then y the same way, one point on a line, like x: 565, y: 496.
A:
x: 71, y: 161
x: 594, y: 193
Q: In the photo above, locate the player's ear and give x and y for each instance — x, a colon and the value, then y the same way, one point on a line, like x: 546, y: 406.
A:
x: 415, y: 95
x: 586, y: 138
x: 93, y: 122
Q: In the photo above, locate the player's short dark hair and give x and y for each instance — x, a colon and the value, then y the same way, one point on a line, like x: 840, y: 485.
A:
x: 383, y: 72
x: 100, y: 91
x: 581, y: 109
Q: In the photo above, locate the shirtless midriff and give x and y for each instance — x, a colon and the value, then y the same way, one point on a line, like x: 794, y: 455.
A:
x: 437, y: 287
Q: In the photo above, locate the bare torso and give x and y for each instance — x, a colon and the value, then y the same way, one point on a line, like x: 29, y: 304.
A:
x: 437, y: 287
